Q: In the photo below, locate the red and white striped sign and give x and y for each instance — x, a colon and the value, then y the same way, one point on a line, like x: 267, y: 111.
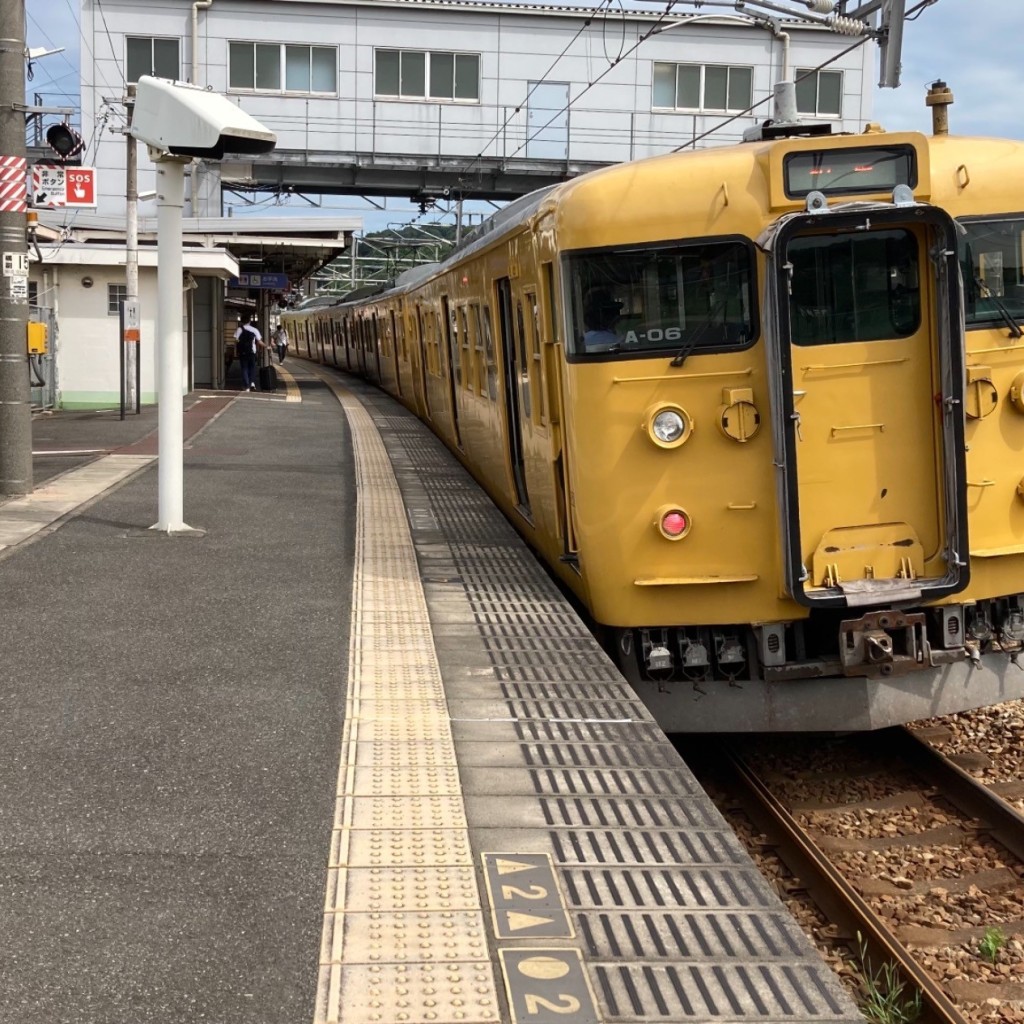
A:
x: 13, y: 193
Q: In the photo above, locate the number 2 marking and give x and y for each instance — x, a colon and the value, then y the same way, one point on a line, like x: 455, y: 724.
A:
x: 536, y: 892
x: 566, y: 1004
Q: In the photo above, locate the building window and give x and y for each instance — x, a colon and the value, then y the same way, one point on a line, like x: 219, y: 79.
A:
x: 149, y: 56
x: 702, y: 87
x: 265, y: 66
x: 820, y: 94
x: 33, y: 293
x: 433, y: 75
x: 116, y: 294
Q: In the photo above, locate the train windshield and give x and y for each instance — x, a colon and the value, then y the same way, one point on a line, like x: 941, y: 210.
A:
x: 992, y: 263
x: 698, y: 297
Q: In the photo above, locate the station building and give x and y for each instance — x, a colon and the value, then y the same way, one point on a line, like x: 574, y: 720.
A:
x: 415, y: 98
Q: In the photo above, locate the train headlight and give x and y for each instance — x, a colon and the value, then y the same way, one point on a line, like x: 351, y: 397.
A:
x: 669, y: 426
x: 673, y: 522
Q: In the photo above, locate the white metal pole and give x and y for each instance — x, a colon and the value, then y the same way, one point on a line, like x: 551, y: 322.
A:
x: 170, y: 176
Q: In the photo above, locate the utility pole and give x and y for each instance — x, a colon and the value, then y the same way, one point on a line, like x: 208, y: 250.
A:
x: 15, y: 394
x: 131, y: 337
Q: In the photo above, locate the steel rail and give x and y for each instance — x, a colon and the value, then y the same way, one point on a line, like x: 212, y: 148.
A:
x: 971, y: 796
x: 837, y: 899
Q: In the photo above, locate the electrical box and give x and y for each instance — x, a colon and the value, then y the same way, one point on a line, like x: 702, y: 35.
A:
x: 36, y: 339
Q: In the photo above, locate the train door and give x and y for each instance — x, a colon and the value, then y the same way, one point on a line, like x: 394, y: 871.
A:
x: 871, y: 378
x: 451, y: 341
x: 513, y: 371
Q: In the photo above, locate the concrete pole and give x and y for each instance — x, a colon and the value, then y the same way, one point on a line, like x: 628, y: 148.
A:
x: 170, y: 187
x: 131, y: 261
x: 15, y: 393
x: 131, y: 258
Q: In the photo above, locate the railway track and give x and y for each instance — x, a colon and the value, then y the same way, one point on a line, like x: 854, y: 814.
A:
x: 915, y: 863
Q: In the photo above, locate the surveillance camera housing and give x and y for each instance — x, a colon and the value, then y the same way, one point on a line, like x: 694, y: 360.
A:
x: 183, y: 120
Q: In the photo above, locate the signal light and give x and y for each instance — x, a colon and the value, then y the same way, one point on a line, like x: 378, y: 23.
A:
x: 674, y: 523
x: 64, y: 140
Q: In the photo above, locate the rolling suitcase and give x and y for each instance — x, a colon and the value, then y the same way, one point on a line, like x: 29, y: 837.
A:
x: 268, y: 378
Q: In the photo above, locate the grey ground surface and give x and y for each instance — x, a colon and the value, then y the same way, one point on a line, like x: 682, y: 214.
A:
x: 170, y: 713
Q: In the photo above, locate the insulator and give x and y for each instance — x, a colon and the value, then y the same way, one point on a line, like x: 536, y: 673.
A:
x: 847, y: 26
x: 821, y: 6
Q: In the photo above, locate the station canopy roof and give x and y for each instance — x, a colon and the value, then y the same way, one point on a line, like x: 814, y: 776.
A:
x: 296, y: 246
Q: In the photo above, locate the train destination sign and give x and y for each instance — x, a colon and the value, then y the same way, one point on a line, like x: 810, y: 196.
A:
x: 854, y: 171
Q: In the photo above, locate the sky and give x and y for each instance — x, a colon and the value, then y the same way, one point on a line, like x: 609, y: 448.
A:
x: 973, y: 45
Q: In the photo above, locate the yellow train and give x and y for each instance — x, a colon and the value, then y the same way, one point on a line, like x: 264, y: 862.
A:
x: 760, y: 407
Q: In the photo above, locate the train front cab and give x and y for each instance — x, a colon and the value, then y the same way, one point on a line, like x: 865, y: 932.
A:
x: 862, y: 341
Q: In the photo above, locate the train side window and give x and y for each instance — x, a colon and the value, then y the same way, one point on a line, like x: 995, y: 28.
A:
x: 455, y: 346
x: 992, y: 262
x: 438, y: 341
x: 536, y: 366
x: 854, y: 286
x: 492, y: 366
x: 525, y: 360
x: 467, y: 350
x: 400, y: 329
x: 478, y: 350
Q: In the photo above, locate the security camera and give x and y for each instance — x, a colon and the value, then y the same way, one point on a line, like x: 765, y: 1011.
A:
x: 184, y: 120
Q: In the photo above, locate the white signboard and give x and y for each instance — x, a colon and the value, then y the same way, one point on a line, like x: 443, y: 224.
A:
x: 56, y: 186
x: 15, y: 264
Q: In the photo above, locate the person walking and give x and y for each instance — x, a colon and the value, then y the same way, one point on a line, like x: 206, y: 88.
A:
x: 280, y: 340
x: 248, y: 341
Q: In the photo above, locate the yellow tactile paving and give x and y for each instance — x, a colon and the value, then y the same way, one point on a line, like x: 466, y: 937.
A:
x: 404, y: 938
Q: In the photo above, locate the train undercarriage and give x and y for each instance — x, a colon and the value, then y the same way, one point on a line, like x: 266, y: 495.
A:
x: 834, y: 671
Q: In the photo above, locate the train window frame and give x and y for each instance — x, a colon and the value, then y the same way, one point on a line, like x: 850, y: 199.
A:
x: 524, y: 360
x: 858, y: 331
x: 479, y: 385
x: 575, y: 350
x: 994, y: 318
x: 467, y: 348
x: 489, y: 354
x: 538, y: 394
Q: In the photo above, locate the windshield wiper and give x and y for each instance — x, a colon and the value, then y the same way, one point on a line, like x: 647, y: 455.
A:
x: 680, y: 357
x: 1008, y: 318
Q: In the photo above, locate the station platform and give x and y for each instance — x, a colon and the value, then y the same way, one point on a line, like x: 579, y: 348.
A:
x: 342, y: 754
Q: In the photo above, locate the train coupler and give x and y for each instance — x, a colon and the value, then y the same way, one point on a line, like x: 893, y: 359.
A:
x: 884, y: 643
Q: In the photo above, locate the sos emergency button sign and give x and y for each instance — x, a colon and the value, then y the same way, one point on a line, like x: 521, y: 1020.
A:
x: 54, y: 185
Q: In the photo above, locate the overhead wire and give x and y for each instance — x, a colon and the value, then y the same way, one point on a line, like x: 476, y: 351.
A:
x: 110, y: 39
x: 916, y: 10
x: 590, y: 85
x: 588, y: 21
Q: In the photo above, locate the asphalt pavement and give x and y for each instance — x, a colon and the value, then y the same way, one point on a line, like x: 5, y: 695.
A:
x: 170, y: 719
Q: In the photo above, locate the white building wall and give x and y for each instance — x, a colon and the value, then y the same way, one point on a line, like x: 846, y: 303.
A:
x: 611, y: 121
x: 86, y: 351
